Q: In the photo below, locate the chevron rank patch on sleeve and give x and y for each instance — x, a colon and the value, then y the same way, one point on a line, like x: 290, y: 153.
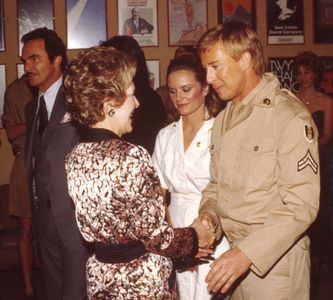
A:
x: 307, y: 161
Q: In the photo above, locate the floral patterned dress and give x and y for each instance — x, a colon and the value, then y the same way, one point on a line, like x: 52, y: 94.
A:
x: 118, y: 200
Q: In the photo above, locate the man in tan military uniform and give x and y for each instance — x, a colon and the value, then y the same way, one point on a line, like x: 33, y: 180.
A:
x: 264, y: 188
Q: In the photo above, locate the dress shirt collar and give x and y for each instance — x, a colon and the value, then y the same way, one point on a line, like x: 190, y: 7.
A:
x: 50, y: 95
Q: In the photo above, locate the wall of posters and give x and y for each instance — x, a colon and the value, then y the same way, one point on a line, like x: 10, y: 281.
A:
x: 2, y: 89
x: 187, y: 21
x: 154, y: 73
x: 242, y: 10
x: 138, y: 19
x: 323, y: 21
x: 33, y: 14
x: 86, y: 23
x: 285, y: 21
x: 282, y: 67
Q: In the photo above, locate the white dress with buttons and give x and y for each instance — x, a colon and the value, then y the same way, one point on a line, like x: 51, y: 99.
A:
x: 185, y: 175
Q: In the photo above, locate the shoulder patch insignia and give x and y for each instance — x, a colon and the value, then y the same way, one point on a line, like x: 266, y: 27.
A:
x: 307, y: 161
x: 309, y: 133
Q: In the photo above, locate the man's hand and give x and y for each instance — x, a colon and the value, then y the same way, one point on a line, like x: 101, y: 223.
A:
x: 227, y: 269
x: 206, y: 234
x: 208, y: 220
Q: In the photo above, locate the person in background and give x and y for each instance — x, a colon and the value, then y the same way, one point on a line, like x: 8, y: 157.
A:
x: 306, y: 66
x: 181, y: 158
x: 264, y: 187
x: 171, y: 112
x: 118, y: 200
x: 50, y: 136
x: 136, y: 25
x: 17, y: 95
x: 150, y: 117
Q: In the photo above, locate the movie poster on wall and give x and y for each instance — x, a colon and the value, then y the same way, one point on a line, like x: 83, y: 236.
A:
x: 323, y: 21
x: 32, y: 14
x: 138, y: 19
x: 239, y: 10
x: 187, y: 21
x: 283, y: 68
x: 86, y: 23
x: 285, y: 21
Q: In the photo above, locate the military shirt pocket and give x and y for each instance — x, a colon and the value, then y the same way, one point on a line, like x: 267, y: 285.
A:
x: 256, y: 163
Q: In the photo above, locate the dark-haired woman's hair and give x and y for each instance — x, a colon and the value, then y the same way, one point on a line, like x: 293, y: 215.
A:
x: 186, y: 49
x: 309, y: 61
x: 131, y: 47
x: 192, y: 63
x: 54, y: 46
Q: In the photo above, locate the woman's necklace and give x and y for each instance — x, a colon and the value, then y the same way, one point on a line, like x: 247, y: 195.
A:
x: 307, y: 102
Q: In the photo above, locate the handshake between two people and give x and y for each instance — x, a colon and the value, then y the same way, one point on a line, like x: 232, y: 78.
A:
x: 205, y: 227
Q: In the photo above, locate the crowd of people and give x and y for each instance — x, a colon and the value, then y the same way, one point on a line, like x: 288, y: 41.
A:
x: 208, y: 191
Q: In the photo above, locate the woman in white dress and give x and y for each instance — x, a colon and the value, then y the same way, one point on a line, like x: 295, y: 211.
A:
x: 181, y: 158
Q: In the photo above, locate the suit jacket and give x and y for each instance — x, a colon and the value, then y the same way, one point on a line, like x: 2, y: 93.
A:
x: 58, y: 139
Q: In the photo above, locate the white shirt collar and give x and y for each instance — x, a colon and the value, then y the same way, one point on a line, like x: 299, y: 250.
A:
x: 50, y: 95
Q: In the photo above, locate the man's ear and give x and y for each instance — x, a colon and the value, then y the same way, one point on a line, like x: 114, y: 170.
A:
x: 245, y: 60
x: 57, y: 60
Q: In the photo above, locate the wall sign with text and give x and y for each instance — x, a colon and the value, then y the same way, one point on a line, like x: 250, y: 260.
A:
x: 285, y: 22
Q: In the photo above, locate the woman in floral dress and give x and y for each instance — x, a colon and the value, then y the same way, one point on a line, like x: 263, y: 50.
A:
x: 119, y: 205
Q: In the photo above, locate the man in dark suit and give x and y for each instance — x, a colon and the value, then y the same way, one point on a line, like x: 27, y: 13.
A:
x: 50, y: 137
x: 136, y: 25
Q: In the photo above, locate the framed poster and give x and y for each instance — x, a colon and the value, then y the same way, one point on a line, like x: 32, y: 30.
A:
x: 323, y: 21
x: 138, y: 19
x: 32, y: 14
x: 86, y: 23
x: 2, y: 89
x: 326, y: 83
x: 2, y: 26
x: 285, y: 21
x: 154, y: 73
x: 283, y: 68
x: 240, y: 10
x: 187, y: 21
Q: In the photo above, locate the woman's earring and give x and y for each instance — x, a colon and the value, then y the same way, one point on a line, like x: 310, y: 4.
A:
x: 111, y: 112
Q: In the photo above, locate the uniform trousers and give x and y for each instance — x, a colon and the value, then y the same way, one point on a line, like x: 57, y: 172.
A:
x: 289, y: 279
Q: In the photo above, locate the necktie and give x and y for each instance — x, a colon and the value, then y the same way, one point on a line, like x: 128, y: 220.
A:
x: 42, y: 116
